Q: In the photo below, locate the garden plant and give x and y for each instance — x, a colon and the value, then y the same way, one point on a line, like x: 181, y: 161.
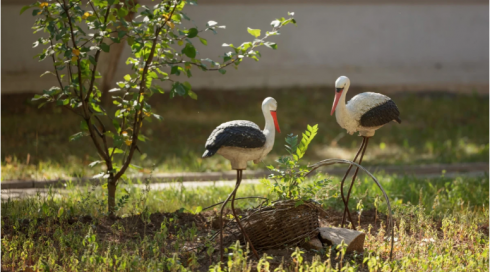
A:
x: 77, y: 33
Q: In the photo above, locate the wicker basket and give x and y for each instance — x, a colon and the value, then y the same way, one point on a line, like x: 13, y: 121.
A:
x: 281, y: 224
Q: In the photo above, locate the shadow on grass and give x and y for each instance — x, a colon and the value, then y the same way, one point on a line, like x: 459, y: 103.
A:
x: 436, y: 128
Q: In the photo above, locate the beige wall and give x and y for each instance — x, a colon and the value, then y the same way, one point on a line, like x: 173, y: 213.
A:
x: 388, y: 44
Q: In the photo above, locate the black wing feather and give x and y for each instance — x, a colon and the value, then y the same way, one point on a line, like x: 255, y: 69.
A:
x: 381, y: 115
x: 243, y: 134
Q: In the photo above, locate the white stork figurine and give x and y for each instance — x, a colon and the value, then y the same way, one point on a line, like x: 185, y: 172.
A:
x: 242, y: 141
x: 364, y: 113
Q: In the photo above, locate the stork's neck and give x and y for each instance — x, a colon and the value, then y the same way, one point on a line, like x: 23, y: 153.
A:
x: 341, y: 111
x: 269, y: 129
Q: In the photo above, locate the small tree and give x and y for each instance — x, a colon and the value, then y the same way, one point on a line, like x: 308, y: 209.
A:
x: 162, y: 49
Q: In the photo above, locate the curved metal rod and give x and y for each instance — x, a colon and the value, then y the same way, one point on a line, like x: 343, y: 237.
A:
x: 334, y: 161
x: 221, y: 218
x: 237, y: 218
x: 238, y: 198
x: 346, y: 200
x: 365, y: 141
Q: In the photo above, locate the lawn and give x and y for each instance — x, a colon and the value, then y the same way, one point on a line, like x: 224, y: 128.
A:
x: 441, y: 225
x: 436, y: 128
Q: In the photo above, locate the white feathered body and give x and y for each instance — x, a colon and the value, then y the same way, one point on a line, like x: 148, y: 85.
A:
x: 241, y: 141
x: 349, y: 115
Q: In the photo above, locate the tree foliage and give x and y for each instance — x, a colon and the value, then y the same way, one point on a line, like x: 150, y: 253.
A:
x: 76, y: 34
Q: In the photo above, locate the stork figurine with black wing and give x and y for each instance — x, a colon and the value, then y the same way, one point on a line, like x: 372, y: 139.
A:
x: 242, y: 141
x: 364, y: 113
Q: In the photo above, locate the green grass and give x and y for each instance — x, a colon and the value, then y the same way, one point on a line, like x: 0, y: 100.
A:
x: 442, y: 225
x: 436, y: 128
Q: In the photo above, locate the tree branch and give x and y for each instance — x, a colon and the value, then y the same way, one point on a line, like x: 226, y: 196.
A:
x: 95, y: 11
x: 138, y: 118
x: 56, y: 70
x: 87, y: 114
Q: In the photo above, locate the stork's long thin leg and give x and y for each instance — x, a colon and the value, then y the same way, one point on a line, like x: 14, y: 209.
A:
x: 346, y: 210
x: 346, y: 203
x: 221, y: 218
x: 239, y: 176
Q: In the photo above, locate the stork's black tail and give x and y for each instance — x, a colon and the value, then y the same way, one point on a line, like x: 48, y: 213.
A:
x: 398, y: 120
x: 208, y: 153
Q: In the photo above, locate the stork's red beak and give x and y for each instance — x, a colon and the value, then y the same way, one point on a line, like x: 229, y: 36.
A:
x: 338, y: 94
x: 274, y: 116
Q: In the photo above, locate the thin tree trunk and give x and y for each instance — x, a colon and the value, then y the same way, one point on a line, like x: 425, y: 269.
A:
x: 111, y: 197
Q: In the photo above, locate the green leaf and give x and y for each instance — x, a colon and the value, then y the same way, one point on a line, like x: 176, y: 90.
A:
x: 120, y: 34
x: 60, y: 211
x: 92, y: 60
x: 142, y: 138
x: 192, y: 95
x: 192, y: 33
x: 47, y: 72
x: 130, y: 41
x: 24, y: 8
x: 118, y: 140
x: 158, y: 89
x: 179, y: 88
x: 35, y: 12
x: 175, y: 70
x: 187, y: 86
x: 158, y: 117
x: 275, y: 23
x: 137, y: 167
x: 127, y: 77
x: 122, y: 12
x: 307, y: 137
x: 203, y: 41
x: 115, y: 123
x: 96, y: 107
x: 189, y: 50
x: 76, y: 136
x: 382, y: 146
x: 38, y: 97
x: 116, y: 151
x: 92, y: 164
x: 198, y: 210
x: 298, y: 203
x: 105, y: 47
x: 83, y: 126
x: 271, y: 45
x: 222, y: 71
x: 152, y: 74
x: 52, y: 91
x: 254, y: 32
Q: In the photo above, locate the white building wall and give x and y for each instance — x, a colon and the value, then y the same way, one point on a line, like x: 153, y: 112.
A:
x: 393, y: 46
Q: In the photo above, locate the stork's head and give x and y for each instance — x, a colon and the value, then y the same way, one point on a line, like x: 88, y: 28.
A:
x: 270, y: 105
x: 341, y: 83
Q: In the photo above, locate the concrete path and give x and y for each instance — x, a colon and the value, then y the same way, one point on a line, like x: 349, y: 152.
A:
x: 435, y: 169
x: 17, y: 193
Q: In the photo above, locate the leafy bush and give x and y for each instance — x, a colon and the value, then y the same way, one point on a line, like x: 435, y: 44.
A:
x: 290, y: 173
x: 162, y: 49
